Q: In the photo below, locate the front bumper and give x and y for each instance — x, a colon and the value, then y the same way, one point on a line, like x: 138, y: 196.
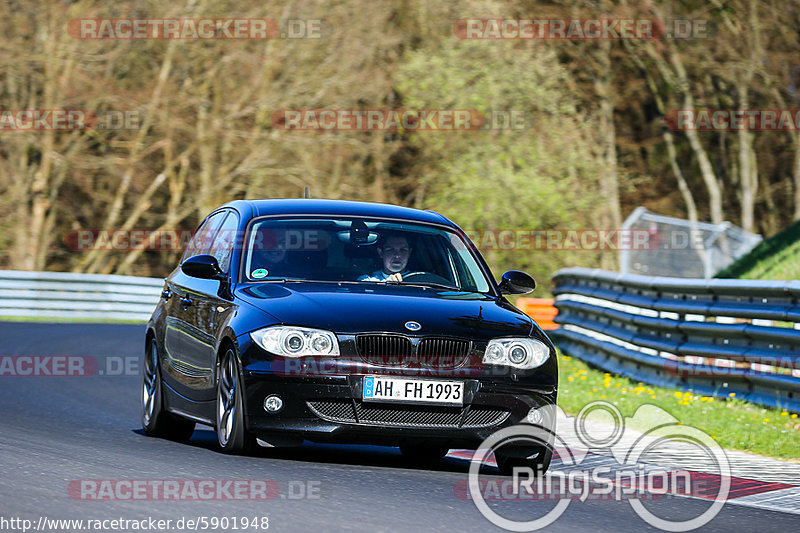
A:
x: 322, y: 399
x: 329, y: 409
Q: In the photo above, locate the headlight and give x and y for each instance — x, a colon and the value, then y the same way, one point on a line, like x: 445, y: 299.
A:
x: 291, y: 341
x: 519, y: 353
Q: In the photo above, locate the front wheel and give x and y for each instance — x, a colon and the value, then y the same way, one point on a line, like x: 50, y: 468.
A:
x: 156, y: 421
x: 232, y: 435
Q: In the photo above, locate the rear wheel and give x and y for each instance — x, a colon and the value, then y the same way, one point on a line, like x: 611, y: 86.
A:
x: 156, y: 421
x: 232, y: 435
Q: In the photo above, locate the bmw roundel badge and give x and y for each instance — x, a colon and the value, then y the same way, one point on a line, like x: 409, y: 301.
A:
x: 413, y: 326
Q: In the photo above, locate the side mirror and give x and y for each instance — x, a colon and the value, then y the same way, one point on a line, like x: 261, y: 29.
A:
x: 516, y: 282
x: 203, y: 267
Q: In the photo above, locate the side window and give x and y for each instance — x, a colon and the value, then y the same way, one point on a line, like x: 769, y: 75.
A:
x: 201, y: 240
x: 224, y: 240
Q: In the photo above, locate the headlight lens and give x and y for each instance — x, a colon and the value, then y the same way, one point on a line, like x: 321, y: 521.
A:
x: 517, y: 354
x: 494, y: 353
x: 520, y: 353
x: 291, y: 341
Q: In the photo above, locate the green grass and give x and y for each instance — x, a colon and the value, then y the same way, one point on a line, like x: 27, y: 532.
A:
x: 776, y: 258
x: 733, y: 423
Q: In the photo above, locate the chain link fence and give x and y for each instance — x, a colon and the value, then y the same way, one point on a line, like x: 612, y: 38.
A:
x: 683, y: 249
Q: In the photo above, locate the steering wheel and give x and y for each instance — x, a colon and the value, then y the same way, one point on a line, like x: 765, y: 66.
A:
x: 428, y: 277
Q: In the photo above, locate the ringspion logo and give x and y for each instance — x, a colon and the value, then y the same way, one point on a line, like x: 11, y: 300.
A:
x: 629, y: 477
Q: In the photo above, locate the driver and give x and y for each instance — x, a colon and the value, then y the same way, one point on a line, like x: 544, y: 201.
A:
x: 394, y: 252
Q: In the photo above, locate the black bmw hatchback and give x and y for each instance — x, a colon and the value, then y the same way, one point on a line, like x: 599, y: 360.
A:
x: 349, y: 322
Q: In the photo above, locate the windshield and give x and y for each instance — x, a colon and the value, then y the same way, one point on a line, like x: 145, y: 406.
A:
x: 360, y: 251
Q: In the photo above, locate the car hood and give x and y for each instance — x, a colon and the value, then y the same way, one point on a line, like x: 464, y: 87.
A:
x: 357, y: 308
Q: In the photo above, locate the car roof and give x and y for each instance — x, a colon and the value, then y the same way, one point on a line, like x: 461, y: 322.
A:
x: 302, y: 206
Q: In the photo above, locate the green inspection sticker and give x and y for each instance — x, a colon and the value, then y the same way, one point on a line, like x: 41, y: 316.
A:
x: 259, y: 273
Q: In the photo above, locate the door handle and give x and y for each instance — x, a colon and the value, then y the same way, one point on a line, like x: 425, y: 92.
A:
x: 186, y: 301
x: 166, y: 294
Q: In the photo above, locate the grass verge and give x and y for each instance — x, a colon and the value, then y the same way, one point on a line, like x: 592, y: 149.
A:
x: 733, y: 423
x: 776, y: 258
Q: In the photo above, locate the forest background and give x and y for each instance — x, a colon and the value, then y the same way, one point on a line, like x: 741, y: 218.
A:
x: 594, y: 145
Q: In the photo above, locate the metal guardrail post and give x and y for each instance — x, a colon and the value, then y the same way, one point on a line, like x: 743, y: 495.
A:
x: 712, y: 336
x: 77, y: 296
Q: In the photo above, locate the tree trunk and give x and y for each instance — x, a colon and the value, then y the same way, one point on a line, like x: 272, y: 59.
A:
x: 796, y: 176
x: 609, y: 178
x: 706, y: 169
x: 605, y: 91
x: 93, y: 261
x: 748, y: 178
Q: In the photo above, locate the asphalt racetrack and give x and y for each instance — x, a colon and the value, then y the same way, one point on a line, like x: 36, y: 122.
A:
x: 59, y: 432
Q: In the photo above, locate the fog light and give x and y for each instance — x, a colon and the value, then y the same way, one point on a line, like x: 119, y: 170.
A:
x: 534, y: 416
x: 273, y: 404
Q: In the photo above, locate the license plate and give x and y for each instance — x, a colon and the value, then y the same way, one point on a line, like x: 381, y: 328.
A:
x: 384, y: 389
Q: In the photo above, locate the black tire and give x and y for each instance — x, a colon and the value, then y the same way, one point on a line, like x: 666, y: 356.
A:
x: 232, y: 435
x: 423, y: 454
x: 539, y: 464
x: 156, y: 421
